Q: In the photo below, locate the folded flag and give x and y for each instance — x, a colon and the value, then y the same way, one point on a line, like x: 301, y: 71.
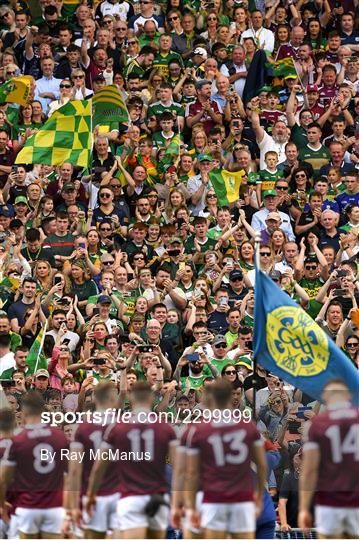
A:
x: 283, y: 68
x: 171, y: 153
x: 16, y: 90
x: 66, y: 136
x: 226, y: 185
x: 36, y: 359
x: 108, y: 106
x: 291, y: 345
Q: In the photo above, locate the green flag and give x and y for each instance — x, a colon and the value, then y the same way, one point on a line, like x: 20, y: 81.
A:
x: 108, y: 106
x: 171, y: 154
x: 283, y: 68
x: 226, y: 184
x: 16, y: 90
x: 35, y: 359
x: 65, y: 136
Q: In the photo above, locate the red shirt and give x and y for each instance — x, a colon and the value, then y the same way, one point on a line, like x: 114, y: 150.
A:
x: 38, y: 482
x: 336, y: 434
x: 145, y: 448
x: 88, y: 438
x: 226, y: 451
x: 206, y: 120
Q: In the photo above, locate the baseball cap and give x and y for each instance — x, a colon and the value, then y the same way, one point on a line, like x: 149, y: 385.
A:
x: 245, y: 361
x: 104, y: 299
x: 175, y: 240
x: 42, y: 373
x: 273, y: 215
x: 69, y: 187
x: 204, y: 157
x: 290, y: 77
x: 219, y: 339
x: 312, y: 88
x: 269, y: 193
x: 21, y: 199
x: 200, y: 51
x: 235, y: 274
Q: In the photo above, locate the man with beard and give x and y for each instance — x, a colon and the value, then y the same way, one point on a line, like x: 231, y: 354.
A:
x: 275, y: 142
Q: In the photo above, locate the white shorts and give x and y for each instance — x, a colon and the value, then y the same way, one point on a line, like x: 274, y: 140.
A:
x: 104, y: 515
x: 13, y: 532
x: 131, y: 514
x: 230, y: 517
x: 331, y: 520
x: 34, y: 520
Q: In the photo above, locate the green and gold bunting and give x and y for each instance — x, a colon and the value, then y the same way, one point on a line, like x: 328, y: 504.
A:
x: 16, y: 90
x: 226, y: 184
x: 65, y: 137
x: 283, y: 68
x: 108, y: 106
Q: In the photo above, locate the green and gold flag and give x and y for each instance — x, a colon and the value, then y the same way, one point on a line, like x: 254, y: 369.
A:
x: 283, y: 68
x: 108, y: 106
x: 36, y: 359
x: 65, y: 137
x: 226, y: 184
x: 16, y: 90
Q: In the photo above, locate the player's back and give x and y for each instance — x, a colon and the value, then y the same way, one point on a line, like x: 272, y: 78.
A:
x: 226, y: 451
x: 336, y: 434
x: 143, y: 449
x: 39, y: 466
x: 88, y: 439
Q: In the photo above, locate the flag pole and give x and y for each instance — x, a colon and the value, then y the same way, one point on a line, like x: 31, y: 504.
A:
x: 91, y: 153
x: 257, y: 243
x: 40, y: 348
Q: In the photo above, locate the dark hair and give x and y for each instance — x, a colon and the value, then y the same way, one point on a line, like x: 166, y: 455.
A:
x: 32, y: 235
x: 33, y: 403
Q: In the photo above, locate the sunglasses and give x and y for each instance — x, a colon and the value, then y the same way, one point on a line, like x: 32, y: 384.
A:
x: 106, y: 229
x: 300, y: 175
x: 221, y: 346
x: 237, y: 279
x: 132, y: 42
x: 108, y: 21
x: 10, y: 72
x: 311, y: 267
x: 108, y: 263
x: 212, y: 19
x: 175, y: 18
x: 211, y: 196
x: 277, y: 402
x: 352, y: 345
x: 65, y: 85
x: 114, y: 186
x: 230, y: 372
x: 105, y: 195
x: 138, y: 258
x: 121, y: 29
x: 282, y: 188
x: 78, y: 77
x: 264, y: 254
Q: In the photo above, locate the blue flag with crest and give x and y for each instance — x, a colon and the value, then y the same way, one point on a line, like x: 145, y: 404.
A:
x: 292, y: 346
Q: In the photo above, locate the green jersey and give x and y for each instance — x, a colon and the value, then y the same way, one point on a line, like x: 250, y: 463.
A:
x: 299, y: 136
x: 162, y: 60
x: 316, y: 157
x: 157, y: 108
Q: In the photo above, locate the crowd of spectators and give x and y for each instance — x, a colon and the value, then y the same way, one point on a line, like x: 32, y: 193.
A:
x: 137, y: 270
